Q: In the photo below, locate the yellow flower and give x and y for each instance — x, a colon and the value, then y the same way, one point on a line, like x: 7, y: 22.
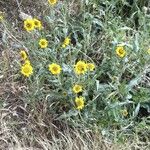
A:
x: 90, y: 66
x: 43, y: 43
x: 77, y: 88
x: 80, y: 67
x: 1, y: 17
x: 79, y: 101
x: 37, y: 23
x: 55, y: 69
x: 27, y: 62
x: 148, y: 51
x: 23, y: 55
x: 66, y: 42
x: 29, y: 24
x: 124, y: 112
x: 52, y: 2
x: 120, y: 51
x: 26, y: 70
x: 64, y: 93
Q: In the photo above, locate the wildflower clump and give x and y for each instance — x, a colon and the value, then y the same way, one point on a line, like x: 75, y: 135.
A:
x: 77, y: 88
x: 55, y: 69
x: 43, y: 43
x: 120, y: 51
x: 80, y: 68
x: 79, y: 101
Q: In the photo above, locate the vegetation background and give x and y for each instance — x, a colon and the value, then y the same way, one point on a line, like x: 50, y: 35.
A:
x: 35, y: 112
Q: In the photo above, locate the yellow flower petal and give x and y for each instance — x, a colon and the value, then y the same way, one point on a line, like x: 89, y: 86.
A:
x: 52, y: 2
x: 27, y: 62
x: 1, y: 18
x: 23, y: 54
x: 90, y: 66
x: 148, y: 51
x: 37, y: 23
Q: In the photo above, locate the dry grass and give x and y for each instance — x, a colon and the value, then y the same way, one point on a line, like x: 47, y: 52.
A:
x: 31, y: 137
x: 24, y: 127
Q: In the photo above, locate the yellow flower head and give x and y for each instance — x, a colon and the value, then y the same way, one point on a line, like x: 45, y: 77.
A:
x: 52, y: 2
x: 23, y: 55
x: 79, y: 101
x: 124, y: 112
x: 66, y: 42
x: 27, y: 62
x: 55, y: 69
x: 29, y: 24
x: 80, y: 67
x: 64, y: 93
x: 77, y: 88
x: 26, y: 70
x: 120, y: 51
x: 1, y: 17
x: 37, y: 23
x: 90, y: 66
x: 43, y: 43
x: 148, y: 51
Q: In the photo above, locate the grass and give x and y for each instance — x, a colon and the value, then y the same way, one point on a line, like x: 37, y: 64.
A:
x: 40, y: 112
x: 73, y: 139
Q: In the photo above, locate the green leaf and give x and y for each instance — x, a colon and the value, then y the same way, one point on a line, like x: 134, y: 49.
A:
x: 136, y: 111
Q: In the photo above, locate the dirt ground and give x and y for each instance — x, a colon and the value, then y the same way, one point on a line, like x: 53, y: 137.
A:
x: 12, y: 8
